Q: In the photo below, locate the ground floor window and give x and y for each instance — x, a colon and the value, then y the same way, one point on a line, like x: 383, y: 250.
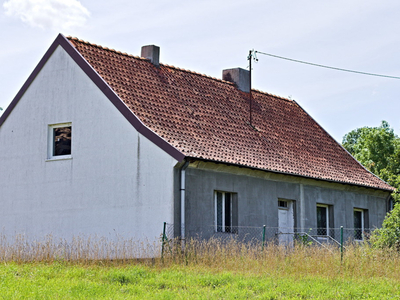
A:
x: 360, y: 223
x: 225, y: 212
x: 323, y: 220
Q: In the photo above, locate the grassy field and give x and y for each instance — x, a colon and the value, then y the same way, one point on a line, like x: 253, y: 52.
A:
x: 61, y: 281
x: 211, y: 270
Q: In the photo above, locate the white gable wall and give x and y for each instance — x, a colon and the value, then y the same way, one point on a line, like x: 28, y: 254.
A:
x: 117, y: 182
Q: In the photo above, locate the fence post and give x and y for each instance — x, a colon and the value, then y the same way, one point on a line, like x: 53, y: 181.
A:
x: 263, y: 238
x: 341, y: 243
x: 163, y: 241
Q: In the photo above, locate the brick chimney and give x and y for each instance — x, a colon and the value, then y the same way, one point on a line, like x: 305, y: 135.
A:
x: 152, y: 52
x: 239, y: 76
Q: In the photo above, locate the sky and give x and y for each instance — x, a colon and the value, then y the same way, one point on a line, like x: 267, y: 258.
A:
x: 209, y: 36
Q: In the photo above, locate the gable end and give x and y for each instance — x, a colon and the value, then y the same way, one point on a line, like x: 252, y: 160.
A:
x: 103, y: 86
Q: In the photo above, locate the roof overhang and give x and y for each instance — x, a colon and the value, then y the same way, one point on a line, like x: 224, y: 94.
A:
x: 193, y: 159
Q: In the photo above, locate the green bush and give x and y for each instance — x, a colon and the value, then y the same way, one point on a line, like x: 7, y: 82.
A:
x: 389, y: 234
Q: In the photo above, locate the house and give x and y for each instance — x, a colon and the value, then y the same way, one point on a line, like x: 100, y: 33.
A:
x: 102, y: 142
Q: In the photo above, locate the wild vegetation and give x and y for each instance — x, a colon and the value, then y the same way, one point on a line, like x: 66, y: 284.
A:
x: 388, y: 235
x: 378, y: 149
x: 204, y: 270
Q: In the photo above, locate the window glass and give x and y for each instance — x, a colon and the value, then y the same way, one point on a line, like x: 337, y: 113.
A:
x: 322, y: 220
x: 62, y: 140
x: 358, y: 225
x: 282, y: 204
x: 226, y: 212
x: 228, y: 215
x: 219, y: 212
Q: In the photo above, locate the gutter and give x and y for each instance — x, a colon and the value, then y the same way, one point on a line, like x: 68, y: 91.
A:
x: 183, y: 194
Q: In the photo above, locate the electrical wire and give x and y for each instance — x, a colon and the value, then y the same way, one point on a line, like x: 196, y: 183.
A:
x: 327, y: 67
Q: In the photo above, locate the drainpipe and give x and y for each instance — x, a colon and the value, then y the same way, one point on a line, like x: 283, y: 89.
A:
x: 182, y: 189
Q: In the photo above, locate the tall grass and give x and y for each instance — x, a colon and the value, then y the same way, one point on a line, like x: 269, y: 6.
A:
x: 359, y: 260
x: 80, y: 249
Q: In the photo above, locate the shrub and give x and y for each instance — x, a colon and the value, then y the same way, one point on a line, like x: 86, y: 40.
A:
x: 389, y: 234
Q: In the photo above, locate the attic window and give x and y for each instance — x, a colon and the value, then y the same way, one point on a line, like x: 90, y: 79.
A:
x: 60, y: 141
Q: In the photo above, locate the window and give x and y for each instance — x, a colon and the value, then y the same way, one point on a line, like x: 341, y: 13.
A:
x: 282, y: 204
x: 60, y: 141
x: 322, y: 220
x: 225, y: 212
x: 360, y: 223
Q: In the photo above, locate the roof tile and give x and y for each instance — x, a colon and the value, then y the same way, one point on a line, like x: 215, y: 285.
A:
x: 207, y: 118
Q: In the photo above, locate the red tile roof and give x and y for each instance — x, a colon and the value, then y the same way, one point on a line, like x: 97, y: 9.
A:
x: 208, y: 118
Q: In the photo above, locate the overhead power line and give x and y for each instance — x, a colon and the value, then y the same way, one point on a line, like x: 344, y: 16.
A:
x: 327, y: 67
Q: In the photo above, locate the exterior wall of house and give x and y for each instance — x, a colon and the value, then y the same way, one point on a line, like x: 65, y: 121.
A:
x: 116, y: 183
x: 258, y: 193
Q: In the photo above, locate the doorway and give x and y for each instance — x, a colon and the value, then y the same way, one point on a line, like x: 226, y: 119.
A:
x: 286, y: 222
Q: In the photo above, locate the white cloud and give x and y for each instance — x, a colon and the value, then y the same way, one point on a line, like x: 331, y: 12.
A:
x: 48, y: 14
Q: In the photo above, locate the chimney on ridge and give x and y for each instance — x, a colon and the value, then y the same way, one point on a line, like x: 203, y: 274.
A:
x: 239, y: 76
x: 152, y: 52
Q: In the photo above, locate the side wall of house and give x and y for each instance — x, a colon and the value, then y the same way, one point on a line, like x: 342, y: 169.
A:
x: 116, y: 183
x: 258, y: 194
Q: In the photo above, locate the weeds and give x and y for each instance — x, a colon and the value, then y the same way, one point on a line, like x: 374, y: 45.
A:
x: 80, y: 249
x: 97, y: 268
x: 213, y: 255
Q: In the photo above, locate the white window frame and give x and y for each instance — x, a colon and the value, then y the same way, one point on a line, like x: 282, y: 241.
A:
x: 223, y: 225
x: 327, y: 218
x: 362, y: 223
x: 50, y: 142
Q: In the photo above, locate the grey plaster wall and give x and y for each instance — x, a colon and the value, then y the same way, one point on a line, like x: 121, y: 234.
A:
x: 258, y: 193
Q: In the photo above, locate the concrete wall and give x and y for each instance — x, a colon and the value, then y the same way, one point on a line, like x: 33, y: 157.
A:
x: 117, y: 182
x: 258, y: 193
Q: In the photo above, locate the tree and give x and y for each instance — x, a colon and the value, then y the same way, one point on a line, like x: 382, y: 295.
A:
x: 378, y: 149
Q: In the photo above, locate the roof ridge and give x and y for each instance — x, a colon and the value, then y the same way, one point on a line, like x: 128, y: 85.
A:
x: 274, y: 95
x: 195, y: 73
x: 105, y: 48
x: 173, y: 67
x: 223, y: 81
